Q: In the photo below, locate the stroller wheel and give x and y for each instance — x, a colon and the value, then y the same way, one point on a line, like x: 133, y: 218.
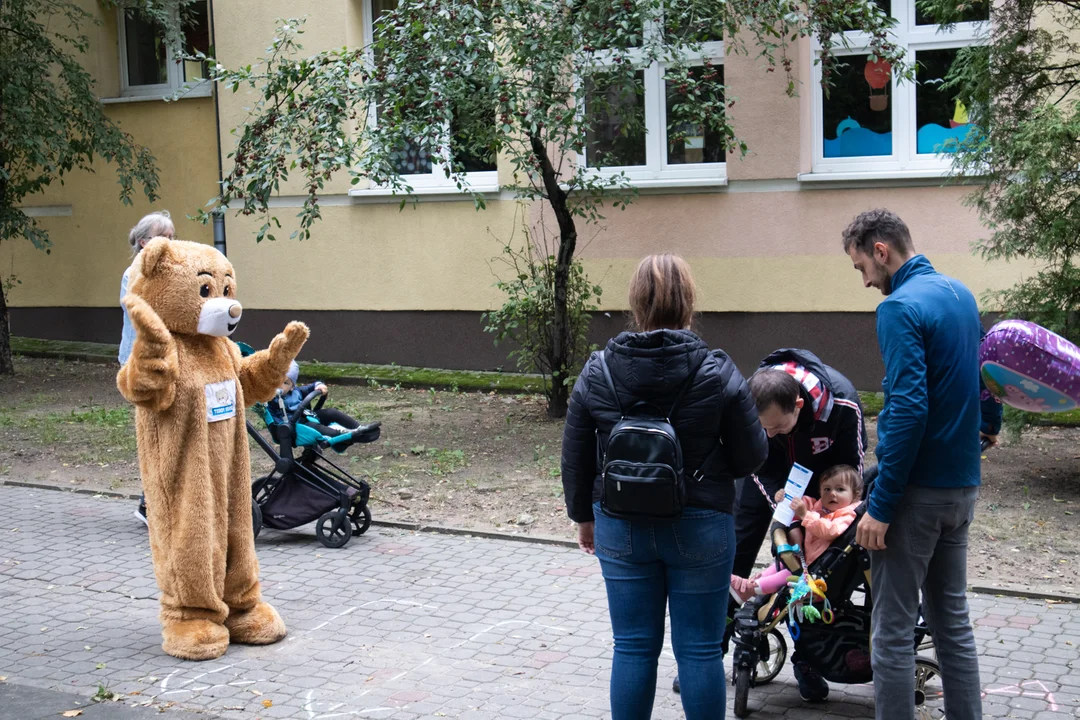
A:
x: 742, y: 691
x: 256, y: 517
x: 328, y: 535
x: 929, y: 695
x: 361, y: 519
x: 772, y: 662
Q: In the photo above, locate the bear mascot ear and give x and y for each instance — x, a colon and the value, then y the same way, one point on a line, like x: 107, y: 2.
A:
x: 153, y: 254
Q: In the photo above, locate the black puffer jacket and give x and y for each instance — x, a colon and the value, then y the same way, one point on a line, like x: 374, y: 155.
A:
x: 651, y: 367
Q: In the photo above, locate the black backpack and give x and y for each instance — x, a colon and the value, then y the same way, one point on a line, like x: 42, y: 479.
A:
x: 642, y: 465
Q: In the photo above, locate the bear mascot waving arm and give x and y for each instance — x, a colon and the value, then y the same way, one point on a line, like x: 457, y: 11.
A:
x: 189, y: 385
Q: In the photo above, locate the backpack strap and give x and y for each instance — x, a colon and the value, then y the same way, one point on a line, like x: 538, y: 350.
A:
x: 610, y: 382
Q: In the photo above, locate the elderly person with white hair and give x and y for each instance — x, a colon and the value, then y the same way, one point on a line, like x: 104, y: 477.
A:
x: 156, y: 224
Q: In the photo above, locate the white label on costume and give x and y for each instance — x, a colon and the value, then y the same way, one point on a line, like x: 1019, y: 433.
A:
x: 220, y: 400
x: 797, y: 480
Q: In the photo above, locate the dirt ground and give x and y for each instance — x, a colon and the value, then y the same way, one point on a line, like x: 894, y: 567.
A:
x: 491, y: 462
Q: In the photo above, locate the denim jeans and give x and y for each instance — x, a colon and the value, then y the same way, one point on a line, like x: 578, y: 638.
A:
x: 685, y: 565
x: 926, y: 547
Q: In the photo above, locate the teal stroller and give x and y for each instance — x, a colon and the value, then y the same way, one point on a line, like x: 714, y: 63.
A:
x: 305, y: 485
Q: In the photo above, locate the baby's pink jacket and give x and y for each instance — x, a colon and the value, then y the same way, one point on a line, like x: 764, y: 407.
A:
x: 820, y: 530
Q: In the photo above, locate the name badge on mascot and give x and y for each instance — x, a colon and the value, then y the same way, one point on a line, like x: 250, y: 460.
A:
x: 220, y: 400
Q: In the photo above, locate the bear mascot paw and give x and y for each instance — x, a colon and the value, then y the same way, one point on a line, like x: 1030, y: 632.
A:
x: 190, y: 385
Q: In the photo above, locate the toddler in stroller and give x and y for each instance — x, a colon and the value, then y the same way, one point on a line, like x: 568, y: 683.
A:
x: 819, y: 523
x: 328, y: 422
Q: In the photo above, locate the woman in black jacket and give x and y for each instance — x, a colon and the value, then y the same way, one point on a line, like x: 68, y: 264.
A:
x: 685, y: 563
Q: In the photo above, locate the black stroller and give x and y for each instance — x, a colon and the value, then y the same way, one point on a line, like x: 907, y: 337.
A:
x: 836, y: 645
x: 310, y: 487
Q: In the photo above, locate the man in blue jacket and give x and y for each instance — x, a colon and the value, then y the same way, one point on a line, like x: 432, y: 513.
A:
x: 921, y: 507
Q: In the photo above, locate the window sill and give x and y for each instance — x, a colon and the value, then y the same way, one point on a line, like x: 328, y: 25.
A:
x: 202, y: 91
x: 704, y: 183
x: 449, y: 192
x: 659, y: 186
x: 857, y: 175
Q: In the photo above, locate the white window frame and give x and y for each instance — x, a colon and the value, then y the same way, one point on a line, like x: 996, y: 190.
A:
x: 904, y: 157
x: 657, y: 170
x: 173, y: 68
x: 485, y: 181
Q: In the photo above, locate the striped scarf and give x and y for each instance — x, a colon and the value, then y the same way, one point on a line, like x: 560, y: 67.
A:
x: 820, y: 398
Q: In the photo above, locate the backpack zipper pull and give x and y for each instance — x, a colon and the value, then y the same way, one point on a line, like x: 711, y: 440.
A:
x: 618, y: 485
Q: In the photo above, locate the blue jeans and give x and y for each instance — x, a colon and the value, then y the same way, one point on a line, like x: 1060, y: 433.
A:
x: 685, y: 565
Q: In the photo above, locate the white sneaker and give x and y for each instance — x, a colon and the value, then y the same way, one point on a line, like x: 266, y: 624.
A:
x: 140, y: 513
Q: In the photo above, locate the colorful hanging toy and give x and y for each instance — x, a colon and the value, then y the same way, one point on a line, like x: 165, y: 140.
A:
x: 801, y: 604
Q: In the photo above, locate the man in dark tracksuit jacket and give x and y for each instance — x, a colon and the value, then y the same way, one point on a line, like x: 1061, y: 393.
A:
x: 828, y: 430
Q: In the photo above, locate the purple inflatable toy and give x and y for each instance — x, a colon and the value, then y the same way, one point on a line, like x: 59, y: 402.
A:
x: 1030, y: 368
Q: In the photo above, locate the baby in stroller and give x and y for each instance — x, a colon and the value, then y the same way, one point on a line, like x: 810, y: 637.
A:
x: 818, y: 523
x: 327, y: 421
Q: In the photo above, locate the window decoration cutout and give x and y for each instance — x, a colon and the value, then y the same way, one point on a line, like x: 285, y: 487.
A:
x: 941, y: 119
x: 857, y: 117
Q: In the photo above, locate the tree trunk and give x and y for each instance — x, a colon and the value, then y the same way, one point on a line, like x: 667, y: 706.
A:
x: 6, y: 365
x: 559, y: 393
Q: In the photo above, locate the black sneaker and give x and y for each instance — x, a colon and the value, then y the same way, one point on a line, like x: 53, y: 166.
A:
x: 675, y: 685
x: 812, y: 687
x: 140, y: 512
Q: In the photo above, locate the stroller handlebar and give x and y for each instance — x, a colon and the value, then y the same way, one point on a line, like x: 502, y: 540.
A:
x: 304, y: 405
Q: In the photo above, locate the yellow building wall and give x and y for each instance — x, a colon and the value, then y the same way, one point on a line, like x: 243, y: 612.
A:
x: 90, y: 247
x: 750, y: 251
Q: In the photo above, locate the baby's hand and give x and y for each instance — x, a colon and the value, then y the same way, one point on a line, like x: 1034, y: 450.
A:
x: 321, y: 388
x: 780, y: 495
x: 798, y: 506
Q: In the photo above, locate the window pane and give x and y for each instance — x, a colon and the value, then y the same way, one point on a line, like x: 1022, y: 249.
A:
x: 857, y: 119
x: 145, y: 51
x: 472, y: 158
x: 196, y: 39
x: 940, y: 119
x: 411, y: 159
x: 689, y: 142
x: 614, y: 121
x: 972, y: 12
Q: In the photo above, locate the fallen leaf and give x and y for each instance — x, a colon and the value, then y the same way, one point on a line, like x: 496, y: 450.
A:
x: 72, y: 713
x: 100, y: 666
x: 3, y: 678
x: 268, y: 703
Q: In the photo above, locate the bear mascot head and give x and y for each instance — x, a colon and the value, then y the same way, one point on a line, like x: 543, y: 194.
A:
x: 189, y: 385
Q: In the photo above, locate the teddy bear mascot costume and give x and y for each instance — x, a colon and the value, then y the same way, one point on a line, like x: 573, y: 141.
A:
x: 190, y: 385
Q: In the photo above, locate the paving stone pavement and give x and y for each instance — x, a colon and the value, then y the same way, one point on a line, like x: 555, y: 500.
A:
x: 402, y: 625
